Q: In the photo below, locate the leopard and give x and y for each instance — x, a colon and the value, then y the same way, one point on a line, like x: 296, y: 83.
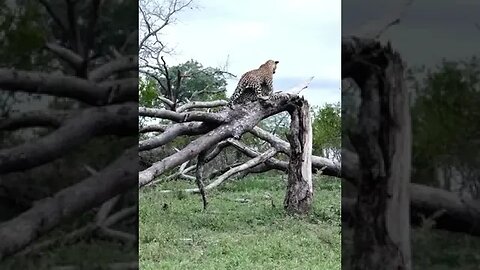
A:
x: 255, y: 84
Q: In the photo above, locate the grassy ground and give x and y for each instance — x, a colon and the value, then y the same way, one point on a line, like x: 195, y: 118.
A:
x: 434, y: 249
x: 239, y: 235
x: 442, y: 250
x: 89, y: 252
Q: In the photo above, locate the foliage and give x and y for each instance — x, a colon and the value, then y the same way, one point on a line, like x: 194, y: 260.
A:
x: 239, y: 235
x: 327, y: 131
x: 445, y: 119
x: 197, y: 83
x: 22, y: 35
x: 148, y: 93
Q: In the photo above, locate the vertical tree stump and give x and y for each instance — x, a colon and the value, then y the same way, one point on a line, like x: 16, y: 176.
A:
x: 377, y: 126
x: 298, y: 199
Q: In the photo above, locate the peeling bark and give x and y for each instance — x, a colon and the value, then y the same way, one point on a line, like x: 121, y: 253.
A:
x: 299, y: 197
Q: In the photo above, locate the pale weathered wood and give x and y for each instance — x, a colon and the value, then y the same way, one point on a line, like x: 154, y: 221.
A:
x: 299, y: 197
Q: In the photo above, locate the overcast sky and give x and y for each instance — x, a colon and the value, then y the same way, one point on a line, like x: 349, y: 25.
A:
x: 304, y: 35
x: 429, y: 31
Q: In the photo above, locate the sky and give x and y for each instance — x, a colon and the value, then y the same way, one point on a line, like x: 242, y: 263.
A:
x: 303, y: 35
x: 429, y: 31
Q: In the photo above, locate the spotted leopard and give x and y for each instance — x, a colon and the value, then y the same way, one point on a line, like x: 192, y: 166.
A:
x: 255, y: 84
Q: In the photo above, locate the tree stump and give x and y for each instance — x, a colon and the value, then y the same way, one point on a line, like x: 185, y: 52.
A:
x: 377, y: 127
x: 298, y: 199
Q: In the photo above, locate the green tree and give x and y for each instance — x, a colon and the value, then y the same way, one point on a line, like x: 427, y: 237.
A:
x: 445, y: 122
x: 189, y: 81
x: 327, y: 131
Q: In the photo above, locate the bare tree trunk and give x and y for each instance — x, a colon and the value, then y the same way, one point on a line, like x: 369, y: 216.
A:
x: 379, y: 131
x: 298, y: 199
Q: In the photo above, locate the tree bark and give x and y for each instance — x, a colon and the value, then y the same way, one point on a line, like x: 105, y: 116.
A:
x: 235, y: 123
x: 378, y: 128
x: 299, y: 197
x: 115, y: 179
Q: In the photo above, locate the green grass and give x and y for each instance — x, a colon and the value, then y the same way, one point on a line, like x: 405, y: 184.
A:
x: 434, y: 249
x: 89, y: 252
x: 239, y: 235
x: 442, y: 250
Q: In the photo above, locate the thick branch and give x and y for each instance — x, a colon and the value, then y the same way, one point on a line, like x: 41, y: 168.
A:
x: 33, y: 119
x: 201, y: 104
x: 64, y: 86
x: 67, y: 55
x: 193, y: 128
x: 115, y: 119
x: 118, y: 65
x: 153, y: 128
x: 118, y: 177
x: 331, y: 168
x: 183, y: 117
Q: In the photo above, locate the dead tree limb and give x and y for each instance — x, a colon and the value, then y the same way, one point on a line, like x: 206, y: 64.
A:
x: 249, y: 164
x: 153, y: 128
x: 238, y: 121
x: 115, y: 119
x: 201, y: 104
x: 331, y: 168
x: 65, y: 86
x: 172, y: 132
x: 118, y: 177
x: 123, y: 63
x: 65, y: 54
x: 183, y: 117
x: 34, y: 119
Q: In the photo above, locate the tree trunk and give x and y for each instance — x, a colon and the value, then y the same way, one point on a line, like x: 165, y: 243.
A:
x: 378, y: 128
x: 298, y: 199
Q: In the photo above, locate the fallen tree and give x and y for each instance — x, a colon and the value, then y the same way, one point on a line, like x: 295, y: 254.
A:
x: 422, y: 203
x: 90, y: 93
x: 49, y: 212
x: 232, y: 123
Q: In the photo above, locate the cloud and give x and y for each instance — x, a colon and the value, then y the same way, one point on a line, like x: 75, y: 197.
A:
x: 303, y: 35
